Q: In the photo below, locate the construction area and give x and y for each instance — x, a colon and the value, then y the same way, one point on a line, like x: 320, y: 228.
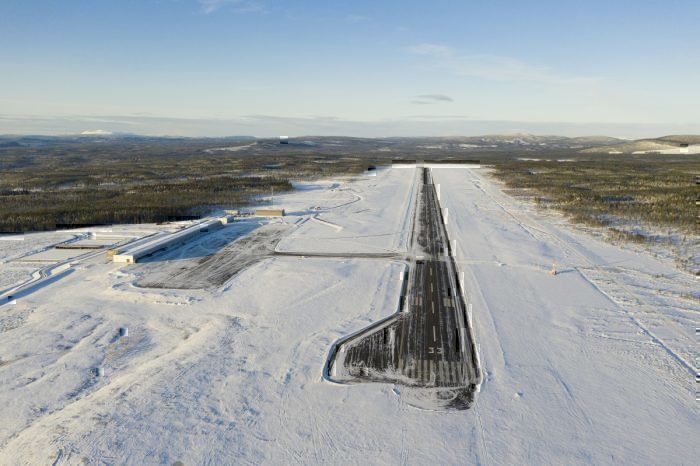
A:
x: 146, y: 247
x: 211, y: 262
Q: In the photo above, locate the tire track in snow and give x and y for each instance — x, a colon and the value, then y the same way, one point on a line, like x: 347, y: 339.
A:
x: 103, y: 392
x: 674, y: 355
x: 480, y: 431
x: 574, y: 406
x: 404, y: 447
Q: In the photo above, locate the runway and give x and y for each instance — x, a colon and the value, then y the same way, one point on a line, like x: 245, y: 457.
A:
x: 429, y: 344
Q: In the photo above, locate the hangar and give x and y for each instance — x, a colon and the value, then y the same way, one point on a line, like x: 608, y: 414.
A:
x: 269, y: 212
x: 130, y: 254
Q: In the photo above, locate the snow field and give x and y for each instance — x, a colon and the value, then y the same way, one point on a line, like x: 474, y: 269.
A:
x: 584, y: 367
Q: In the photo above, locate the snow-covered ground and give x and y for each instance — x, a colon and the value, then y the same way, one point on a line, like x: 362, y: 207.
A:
x: 594, y: 365
x: 15, y: 247
x: 590, y: 366
x: 368, y: 215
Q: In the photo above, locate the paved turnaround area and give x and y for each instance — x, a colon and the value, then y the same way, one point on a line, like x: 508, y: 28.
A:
x: 428, y: 346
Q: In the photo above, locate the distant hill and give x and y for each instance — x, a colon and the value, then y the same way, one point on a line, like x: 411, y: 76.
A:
x: 595, y: 140
x: 679, y: 144
x: 525, y: 139
x: 682, y: 139
x: 102, y: 136
x: 520, y: 143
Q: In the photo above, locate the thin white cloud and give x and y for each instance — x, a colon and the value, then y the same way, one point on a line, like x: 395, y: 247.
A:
x: 355, y: 18
x: 433, y: 50
x: 439, y: 117
x: 493, y: 67
x: 240, y: 6
x: 428, y: 99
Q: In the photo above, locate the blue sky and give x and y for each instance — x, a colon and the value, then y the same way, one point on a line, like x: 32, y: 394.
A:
x: 263, y: 67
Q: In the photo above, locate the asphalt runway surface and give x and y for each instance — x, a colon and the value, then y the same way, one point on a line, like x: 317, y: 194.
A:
x: 428, y: 344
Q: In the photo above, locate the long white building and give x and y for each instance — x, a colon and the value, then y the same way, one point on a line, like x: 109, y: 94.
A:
x: 132, y: 253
